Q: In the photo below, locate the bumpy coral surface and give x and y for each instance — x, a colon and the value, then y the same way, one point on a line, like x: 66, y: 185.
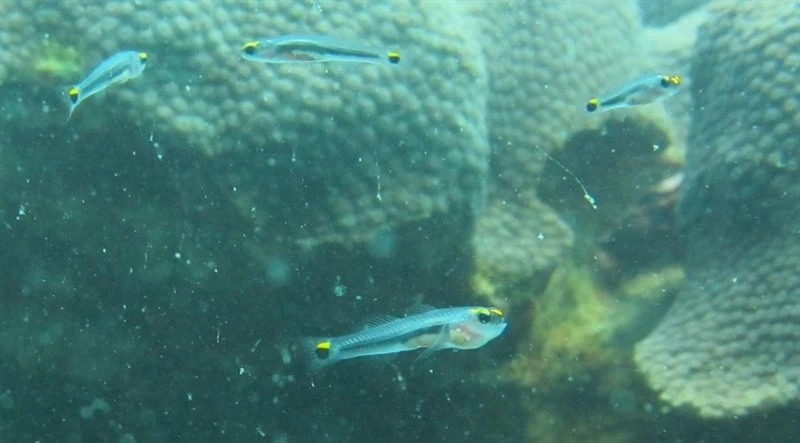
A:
x: 514, y: 253
x: 671, y: 47
x: 410, y: 139
x: 414, y: 139
x: 731, y: 342
x: 540, y: 75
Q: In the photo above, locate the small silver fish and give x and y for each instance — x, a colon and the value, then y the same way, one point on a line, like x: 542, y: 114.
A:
x: 119, y: 68
x: 640, y: 91
x: 430, y: 328
x: 314, y: 48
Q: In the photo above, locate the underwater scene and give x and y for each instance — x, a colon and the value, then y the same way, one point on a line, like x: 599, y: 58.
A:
x: 394, y: 221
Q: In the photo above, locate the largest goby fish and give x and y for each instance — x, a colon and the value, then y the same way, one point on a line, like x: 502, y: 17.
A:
x: 433, y: 329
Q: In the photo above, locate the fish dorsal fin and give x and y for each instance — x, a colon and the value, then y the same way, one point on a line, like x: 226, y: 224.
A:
x: 378, y: 320
x: 418, y: 309
x: 440, y: 343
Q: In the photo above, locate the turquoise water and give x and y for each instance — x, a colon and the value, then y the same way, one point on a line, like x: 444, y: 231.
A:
x: 164, y: 249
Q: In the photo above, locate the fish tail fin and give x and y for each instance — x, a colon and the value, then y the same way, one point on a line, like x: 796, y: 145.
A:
x: 318, y: 353
x: 61, y: 93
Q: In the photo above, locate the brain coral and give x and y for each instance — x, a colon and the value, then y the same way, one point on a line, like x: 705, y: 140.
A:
x: 673, y: 45
x: 541, y: 74
x: 336, y: 151
x: 731, y: 342
x: 320, y: 151
x: 518, y: 245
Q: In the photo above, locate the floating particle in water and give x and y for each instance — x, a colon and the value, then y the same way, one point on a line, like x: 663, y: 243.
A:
x: 339, y: 289
x: 6, y: 400
x: 98, y: 404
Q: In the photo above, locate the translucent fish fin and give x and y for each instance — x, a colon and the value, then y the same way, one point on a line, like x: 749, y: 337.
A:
x: 418, y: 309
x: 379, y: 362
x: 61, y: 94
x: 378, y: 320
x: 317, y: 353
x: 101, y: 95
x: 72, y: 108
x: 440, y: 343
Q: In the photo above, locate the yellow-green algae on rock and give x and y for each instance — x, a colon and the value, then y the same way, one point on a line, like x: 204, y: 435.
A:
x: 56, y: 61
x: 576, y: 360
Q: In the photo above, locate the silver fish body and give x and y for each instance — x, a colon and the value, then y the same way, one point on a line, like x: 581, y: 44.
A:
x: 433, y: 329
x: 639, y: 91
x: 314, y: 48
x: 119, y: 68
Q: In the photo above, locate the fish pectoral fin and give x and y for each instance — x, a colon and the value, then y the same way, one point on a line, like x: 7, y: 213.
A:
x: 440, y: 343
x: 101, y: 96
x: 379, y: 362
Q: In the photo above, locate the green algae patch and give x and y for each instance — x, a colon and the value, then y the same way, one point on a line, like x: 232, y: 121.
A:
x: 56, y: 61
x: 579, y: 346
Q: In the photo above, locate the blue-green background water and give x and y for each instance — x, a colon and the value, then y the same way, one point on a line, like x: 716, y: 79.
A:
x: 162, y: 252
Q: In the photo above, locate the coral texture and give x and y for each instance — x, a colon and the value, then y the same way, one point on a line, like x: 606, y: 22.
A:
x: 475, y: 80
x: 666, y: 11
x: 731, y: 342
x: 540, y: 75
x: 511, y: 252
x: 320, y: 151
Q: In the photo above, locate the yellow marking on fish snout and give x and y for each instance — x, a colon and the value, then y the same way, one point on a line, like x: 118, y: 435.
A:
x: 670, y: 80
x: 496, y: 311
x: 323, y: 349
x: 250, y: 47
x: 73, y: 94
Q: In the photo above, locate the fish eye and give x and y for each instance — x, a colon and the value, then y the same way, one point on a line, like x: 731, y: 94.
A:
x: 591, y: 106
x: 665, y: 82
x: 484, y: 317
